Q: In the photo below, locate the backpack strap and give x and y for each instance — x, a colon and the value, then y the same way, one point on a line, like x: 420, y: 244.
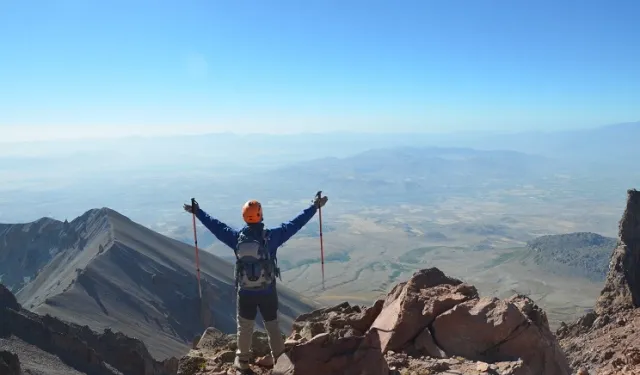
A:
x: 276, y: 269
x: 235, y: 250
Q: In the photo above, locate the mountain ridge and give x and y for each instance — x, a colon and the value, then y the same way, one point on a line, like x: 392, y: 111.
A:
x: 45, y: 239
x: 122, y: 275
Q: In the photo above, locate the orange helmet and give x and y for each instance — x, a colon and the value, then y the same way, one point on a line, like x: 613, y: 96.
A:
x: 252, y: 212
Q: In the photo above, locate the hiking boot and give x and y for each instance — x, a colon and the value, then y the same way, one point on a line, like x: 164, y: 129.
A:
x: 242, y: 367
x: 245, y: 372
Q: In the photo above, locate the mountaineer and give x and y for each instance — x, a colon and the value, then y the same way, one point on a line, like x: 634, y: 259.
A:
x: 256, y: 270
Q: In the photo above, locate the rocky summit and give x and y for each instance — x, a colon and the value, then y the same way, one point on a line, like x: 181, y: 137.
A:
x: 606, y: 341
x: 431, y: 324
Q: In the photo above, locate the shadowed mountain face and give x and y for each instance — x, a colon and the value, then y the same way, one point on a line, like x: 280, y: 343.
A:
x: 26, y: 248
x: 35, y: 344
x: 120, y: 275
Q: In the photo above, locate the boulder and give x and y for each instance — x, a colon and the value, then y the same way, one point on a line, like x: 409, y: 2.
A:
x: 329, y: 353
x: 213, y: 338
x: 491, y: 330
x: 343, y: 319
x: 409, y: 310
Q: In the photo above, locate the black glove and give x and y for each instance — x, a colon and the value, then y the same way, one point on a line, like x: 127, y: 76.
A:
x: 320, y: 201
x: 193, y: 207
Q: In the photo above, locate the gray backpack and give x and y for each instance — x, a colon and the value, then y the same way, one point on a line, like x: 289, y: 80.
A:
x: 255, y: 268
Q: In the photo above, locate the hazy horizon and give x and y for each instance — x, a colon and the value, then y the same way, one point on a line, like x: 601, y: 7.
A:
x: 71, y: 136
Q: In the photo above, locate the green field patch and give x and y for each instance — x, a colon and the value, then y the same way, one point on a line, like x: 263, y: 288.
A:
x: 415, y: 256
x: 337, y: 257
x: 397, y: 270
x: 504, y: 258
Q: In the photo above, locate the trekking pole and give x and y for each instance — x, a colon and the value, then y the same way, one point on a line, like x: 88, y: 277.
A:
x: 195, y: 239
x: 321, y: 243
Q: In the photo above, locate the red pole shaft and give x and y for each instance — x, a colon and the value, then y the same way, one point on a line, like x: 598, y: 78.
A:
x: 321, y: 245
x: 195, y: 239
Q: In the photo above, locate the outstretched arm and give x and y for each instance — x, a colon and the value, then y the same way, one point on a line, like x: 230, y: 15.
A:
x: 222, y: 231
x: 285, y: 231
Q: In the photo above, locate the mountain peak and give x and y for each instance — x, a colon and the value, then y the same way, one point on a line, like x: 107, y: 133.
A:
x: 98, y: 212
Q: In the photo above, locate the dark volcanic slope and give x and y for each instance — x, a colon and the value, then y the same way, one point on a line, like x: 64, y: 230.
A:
x: 129, y: 278
x: 580, y: 254
x: 40, y: 345
x: 25, y: 248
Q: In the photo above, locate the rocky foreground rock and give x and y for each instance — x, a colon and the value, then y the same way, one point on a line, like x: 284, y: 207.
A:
x: 607, y: 340
x: 431, y: 324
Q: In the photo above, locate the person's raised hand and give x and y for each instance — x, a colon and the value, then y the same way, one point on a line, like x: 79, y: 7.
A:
x: 191, y: 208
x: 319, y: 201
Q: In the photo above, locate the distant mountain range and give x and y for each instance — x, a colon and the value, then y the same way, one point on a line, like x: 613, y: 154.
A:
x: 402, y: 174
x: 106, y: 271
x: 206, y: 149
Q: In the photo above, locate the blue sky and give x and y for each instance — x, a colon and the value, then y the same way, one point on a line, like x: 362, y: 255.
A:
x: 81, y: 67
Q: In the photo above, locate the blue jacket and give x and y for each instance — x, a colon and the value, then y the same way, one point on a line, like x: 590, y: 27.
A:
x: 276, y: 236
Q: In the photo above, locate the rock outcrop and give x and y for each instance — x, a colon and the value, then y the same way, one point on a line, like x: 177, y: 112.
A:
x: 431, y: 324
x: 622, y: 286
x: 328, y: 353
x: 9, y: 363
x: 492, y: 330
x: 7, y: 299
x: 411, y: 308
x: 606, y: 345
x: 605, y: 341
x: 77, y: 346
